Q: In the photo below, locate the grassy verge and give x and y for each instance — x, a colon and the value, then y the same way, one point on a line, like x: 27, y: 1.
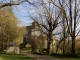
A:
x: 66, y: 56
x: 72, y: 58
x: 14, y: 57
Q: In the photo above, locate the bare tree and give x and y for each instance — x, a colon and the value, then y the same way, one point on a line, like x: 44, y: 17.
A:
x: 71, y: 10
x: 47, y: 16
x: 4, y: 3
x: 36, y: 44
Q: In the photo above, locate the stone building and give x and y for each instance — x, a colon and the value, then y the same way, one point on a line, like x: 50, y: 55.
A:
x: 12, y: 48
x: 34, y: 30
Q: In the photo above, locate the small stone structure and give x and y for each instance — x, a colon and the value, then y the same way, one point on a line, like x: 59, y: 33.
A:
x: 12, y: 48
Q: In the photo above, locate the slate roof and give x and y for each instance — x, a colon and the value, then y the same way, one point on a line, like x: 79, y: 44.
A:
x: 12, y: 44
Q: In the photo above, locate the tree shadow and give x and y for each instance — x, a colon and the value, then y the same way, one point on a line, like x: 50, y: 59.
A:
x: 65, y: 55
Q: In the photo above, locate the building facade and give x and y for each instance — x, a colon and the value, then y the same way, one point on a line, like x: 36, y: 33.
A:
x: 34, y: 30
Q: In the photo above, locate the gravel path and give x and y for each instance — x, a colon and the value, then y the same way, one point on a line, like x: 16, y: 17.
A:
x: 39, y: 57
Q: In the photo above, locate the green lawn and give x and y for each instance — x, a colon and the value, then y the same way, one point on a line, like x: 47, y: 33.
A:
x: 14, y: 57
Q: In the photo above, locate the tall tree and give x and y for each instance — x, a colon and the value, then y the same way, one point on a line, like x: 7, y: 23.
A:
x: 9, y: 30
x: 71, y: 10
x: 47, y: 16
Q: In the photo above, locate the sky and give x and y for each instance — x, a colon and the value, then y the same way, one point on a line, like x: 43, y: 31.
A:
x: 21, y: 14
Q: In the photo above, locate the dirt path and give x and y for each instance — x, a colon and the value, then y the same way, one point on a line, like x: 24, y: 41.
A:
x: 39, y: 57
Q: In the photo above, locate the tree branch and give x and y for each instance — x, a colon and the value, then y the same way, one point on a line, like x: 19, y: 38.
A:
x: 12, y: 3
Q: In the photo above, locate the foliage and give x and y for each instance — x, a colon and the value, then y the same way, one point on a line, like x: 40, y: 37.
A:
x: 77, y: 45
x: 69, y: 45
x: 9, y: 30
x: 36, y: 44
x: 8, y: 25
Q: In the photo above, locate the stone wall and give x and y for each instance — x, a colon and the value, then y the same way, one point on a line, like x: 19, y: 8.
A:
x: 12, y: 50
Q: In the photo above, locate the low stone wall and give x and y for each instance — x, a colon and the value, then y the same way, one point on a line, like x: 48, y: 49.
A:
x: 12, y: 50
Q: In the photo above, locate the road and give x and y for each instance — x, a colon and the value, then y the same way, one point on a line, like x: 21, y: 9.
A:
x: 39, y: 57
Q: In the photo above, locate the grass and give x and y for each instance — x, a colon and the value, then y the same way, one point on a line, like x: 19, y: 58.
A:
x: 14, y: 57
x: 72, y: 59
x: 66, y: 56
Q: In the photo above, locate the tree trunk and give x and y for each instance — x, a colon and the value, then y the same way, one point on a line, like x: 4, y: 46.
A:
x: 64, y: 46
x: 74, y: 31
x: 48, y: 48
x: 64, y: 33
x: 73, y: 45
x: 49, y: 43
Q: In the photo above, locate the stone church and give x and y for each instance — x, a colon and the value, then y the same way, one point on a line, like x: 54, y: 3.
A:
x: 34, y: 30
